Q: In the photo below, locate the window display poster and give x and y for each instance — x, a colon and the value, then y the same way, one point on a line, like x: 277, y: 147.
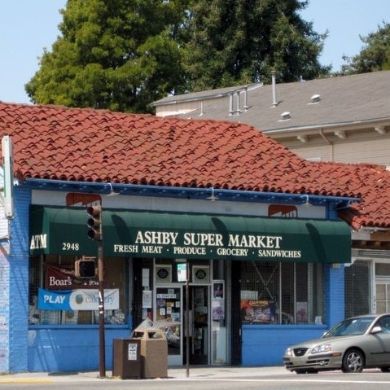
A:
x: 81, y: 299
x: 218, y: 289
x: 260, y: 311
x: 181, y: 272
x: 145, y: 277
x: 301, y: 312
x: 217, y: 310
x: 168, y: 317
x: 146, y: 299
x: 58, y: 278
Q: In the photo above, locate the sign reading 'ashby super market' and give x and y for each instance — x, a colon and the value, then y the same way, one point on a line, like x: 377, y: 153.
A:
x: 170, y: 235
x: 206, y: 244
x: 190, y: 244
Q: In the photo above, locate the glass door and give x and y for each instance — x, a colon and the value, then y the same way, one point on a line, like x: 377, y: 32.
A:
x: 382, y: 297
x: 218, y: 321
x: 199, y: 325
x: 168, y: 316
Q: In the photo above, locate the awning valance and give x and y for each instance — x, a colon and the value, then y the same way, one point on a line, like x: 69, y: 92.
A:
x: 133, y: 233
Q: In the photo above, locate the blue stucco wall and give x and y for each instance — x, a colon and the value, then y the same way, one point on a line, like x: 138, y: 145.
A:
x: 54, y: 349
x: 334, y: 293
x: 66, y: 349
x: 264, y: 345
x: 40, y: 349
x: 4, y: 306
x: 18, y: 260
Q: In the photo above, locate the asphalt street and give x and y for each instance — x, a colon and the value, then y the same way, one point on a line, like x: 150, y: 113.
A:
x: 213, y: 378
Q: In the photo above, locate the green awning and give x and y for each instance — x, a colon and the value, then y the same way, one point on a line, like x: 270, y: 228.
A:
x: 60, y: 230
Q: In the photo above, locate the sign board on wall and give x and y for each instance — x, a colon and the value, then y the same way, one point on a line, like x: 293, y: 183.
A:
x: 8, y: 176
x: 181, y: 272
x: 196, y: 236
x: 81, y: 299
x: 58, y: 278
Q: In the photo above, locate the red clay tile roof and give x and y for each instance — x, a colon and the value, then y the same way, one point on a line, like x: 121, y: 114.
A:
x: 373, y: 182
x: 61, y: 143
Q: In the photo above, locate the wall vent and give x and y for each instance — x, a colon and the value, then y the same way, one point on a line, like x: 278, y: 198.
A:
x: 315, y: 99
x: 285, y: 115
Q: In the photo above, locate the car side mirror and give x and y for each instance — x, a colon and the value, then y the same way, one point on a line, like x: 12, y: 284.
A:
x: 376, y: 329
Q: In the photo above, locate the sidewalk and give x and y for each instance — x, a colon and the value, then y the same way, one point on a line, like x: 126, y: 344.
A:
x: 173, y: 374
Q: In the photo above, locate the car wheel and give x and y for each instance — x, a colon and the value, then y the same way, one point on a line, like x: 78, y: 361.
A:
x: 385, y: 369
x: 301, y: 371
x: 353, y: 361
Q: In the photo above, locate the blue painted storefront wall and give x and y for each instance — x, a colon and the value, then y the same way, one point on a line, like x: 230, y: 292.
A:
x: 18, y: 260
x: 39, y: 349
x: 4, y: 306
x: 334, y: 288
x: 264, y: 345
x: 64, y: 349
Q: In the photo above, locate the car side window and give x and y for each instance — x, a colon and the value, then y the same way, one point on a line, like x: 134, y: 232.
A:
x: 384, y: 323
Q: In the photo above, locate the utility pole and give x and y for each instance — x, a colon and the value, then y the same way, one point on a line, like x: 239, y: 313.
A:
x: 95, y: 232
x: 102, y: 338
x: 187, y: 319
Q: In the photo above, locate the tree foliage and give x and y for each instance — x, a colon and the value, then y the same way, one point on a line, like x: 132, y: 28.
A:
x: 124, y: 54
x: 117, y: 54
x: 375, y: 54
x: 243, y: 41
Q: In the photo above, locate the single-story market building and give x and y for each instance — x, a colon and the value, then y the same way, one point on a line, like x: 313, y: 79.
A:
x: 256, y: 227
x: 336, y: 119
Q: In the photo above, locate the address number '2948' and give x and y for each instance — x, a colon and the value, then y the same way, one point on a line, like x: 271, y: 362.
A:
x: 70, y: 246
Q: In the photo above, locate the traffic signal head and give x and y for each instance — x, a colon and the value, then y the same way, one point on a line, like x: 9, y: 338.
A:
x: 95, y: 222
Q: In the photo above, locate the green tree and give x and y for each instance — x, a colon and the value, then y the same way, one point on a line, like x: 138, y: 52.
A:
x: 125, y: 54
x: 116, y: 54
x: 242, y: 41
x: 375, y: 54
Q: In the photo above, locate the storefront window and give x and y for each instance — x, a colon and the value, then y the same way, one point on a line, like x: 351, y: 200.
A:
x: 58, y: 296
x: 280, y: 293
x: 357, y: 288
x: 382, y: 282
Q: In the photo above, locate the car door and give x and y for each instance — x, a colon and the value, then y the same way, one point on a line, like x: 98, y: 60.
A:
x: 383, y: 338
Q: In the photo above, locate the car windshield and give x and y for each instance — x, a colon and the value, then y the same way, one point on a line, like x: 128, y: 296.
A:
x: 350, y: 327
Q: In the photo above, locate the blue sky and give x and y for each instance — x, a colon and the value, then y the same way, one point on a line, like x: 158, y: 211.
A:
x: 29, y: 26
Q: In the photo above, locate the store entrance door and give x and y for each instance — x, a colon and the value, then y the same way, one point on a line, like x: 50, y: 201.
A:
x: 199, y: 325
x: 168, y: 316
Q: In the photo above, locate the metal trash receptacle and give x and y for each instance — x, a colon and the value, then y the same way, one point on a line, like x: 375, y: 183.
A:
x: 154, y: 352
x: 126, y: 362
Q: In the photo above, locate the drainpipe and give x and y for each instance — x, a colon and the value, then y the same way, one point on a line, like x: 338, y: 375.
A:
x: 231, y: 104
x: 246, y: 107
x: 237, y: 103
x: 274, y: 100
x: 325, y: 138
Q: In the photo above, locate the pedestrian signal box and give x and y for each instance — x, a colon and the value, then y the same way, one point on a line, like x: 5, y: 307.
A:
x: 85, y: 268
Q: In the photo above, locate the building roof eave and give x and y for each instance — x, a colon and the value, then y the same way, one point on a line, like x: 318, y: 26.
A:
x: 307, y: 129
x: 209, y: 193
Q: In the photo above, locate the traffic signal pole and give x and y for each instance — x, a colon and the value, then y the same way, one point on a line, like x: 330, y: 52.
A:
x: 95, y: 232
x: 102, y: 339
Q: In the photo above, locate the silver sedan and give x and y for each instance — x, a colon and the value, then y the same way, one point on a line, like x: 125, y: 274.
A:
x: 351, y: 345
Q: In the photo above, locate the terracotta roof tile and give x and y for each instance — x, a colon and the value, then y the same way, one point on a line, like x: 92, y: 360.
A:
x: 97, y: 145
x: 371, y: 183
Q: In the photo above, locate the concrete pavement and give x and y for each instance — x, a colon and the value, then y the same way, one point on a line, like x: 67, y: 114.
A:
x: 173, y: 374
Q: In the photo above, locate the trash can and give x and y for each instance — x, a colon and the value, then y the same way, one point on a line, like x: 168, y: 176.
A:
x: 126, y: 362
x: 154, y: 352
